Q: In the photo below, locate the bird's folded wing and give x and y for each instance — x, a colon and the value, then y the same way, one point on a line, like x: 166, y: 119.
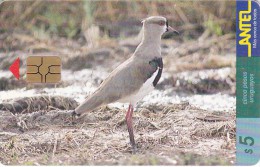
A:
x: 130, y: 78
x: 125, y: 80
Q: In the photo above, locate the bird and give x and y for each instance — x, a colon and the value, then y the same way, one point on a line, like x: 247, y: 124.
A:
x: 132, y: 80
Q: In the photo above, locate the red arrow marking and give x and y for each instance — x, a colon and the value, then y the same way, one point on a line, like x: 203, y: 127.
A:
x: 15, y: 68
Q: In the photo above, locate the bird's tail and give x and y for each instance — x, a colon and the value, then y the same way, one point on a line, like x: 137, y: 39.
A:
x: 90, y: 103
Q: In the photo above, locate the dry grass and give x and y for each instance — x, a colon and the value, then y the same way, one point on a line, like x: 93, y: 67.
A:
x: 31, y: 104
x: 208, y: 53
x: 168, y: 135
x: 71, y: 18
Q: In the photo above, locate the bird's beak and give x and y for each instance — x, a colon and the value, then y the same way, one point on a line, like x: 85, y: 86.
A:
x: 170, y: 29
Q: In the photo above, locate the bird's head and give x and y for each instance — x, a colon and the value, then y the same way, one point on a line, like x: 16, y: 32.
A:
x: 157, y: 24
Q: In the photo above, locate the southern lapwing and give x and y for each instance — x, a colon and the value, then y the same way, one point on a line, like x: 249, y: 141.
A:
x: 134, y: 78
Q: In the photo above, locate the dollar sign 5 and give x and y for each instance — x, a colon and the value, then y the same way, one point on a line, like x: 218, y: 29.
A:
x: 250, y: 151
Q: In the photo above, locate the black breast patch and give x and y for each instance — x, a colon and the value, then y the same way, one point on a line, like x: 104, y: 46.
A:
x: 158, y: 63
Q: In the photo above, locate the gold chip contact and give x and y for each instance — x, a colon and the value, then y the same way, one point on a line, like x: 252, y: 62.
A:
x: 43, y: 69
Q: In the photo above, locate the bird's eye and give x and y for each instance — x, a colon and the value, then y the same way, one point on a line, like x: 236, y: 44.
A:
x: 161, y: 23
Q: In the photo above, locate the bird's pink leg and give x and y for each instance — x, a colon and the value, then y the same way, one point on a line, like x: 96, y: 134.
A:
x: 129, y: 123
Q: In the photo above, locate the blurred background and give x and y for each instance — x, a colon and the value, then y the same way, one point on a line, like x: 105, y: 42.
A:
x: 94, y: 37
x: 116, y: 19
x: 72, y: 29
